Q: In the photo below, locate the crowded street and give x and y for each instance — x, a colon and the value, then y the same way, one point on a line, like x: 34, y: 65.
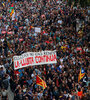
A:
x: 48, y: 38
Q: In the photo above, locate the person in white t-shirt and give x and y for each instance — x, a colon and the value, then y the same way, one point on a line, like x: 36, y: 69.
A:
x: 61, y: 66
x: 4, y: 94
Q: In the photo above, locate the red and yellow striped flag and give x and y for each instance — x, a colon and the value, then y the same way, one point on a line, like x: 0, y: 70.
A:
x: 40, y: 82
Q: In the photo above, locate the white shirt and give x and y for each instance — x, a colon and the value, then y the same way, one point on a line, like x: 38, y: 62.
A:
x: 61, y: 60
x: 61, y: 66
x: 3, y: 68
x: 40, y: 94
x: 4, y: 93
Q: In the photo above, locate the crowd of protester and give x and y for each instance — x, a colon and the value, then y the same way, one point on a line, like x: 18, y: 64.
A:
x: 64, y: 28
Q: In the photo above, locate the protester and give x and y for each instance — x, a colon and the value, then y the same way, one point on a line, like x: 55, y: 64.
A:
x: 64, y: 29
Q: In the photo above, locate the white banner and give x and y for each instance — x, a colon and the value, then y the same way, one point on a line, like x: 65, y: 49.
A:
x: 34, y: 58
x: 37, y: 30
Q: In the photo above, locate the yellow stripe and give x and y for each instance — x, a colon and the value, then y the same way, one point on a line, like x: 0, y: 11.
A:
x: 3, y: 4
x: 43, y: 83
x: 80, y: 76
x: 12, y: 12
x: 40, y: 85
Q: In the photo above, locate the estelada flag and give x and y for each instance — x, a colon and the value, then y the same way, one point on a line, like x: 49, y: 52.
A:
x: 81, y: 74
x: 40, y: 82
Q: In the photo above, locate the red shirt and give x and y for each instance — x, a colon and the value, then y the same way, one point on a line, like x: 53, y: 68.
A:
x: 80, y: 93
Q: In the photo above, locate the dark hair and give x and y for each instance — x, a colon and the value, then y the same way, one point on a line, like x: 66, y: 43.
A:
x: 79, y: 89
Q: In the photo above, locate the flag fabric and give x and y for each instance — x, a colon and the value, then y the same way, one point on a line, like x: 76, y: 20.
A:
x: 13, y: 16
x: 81, y: 74
x: 12, y: 5
x: 11, y: 10
x: 40, y: 82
